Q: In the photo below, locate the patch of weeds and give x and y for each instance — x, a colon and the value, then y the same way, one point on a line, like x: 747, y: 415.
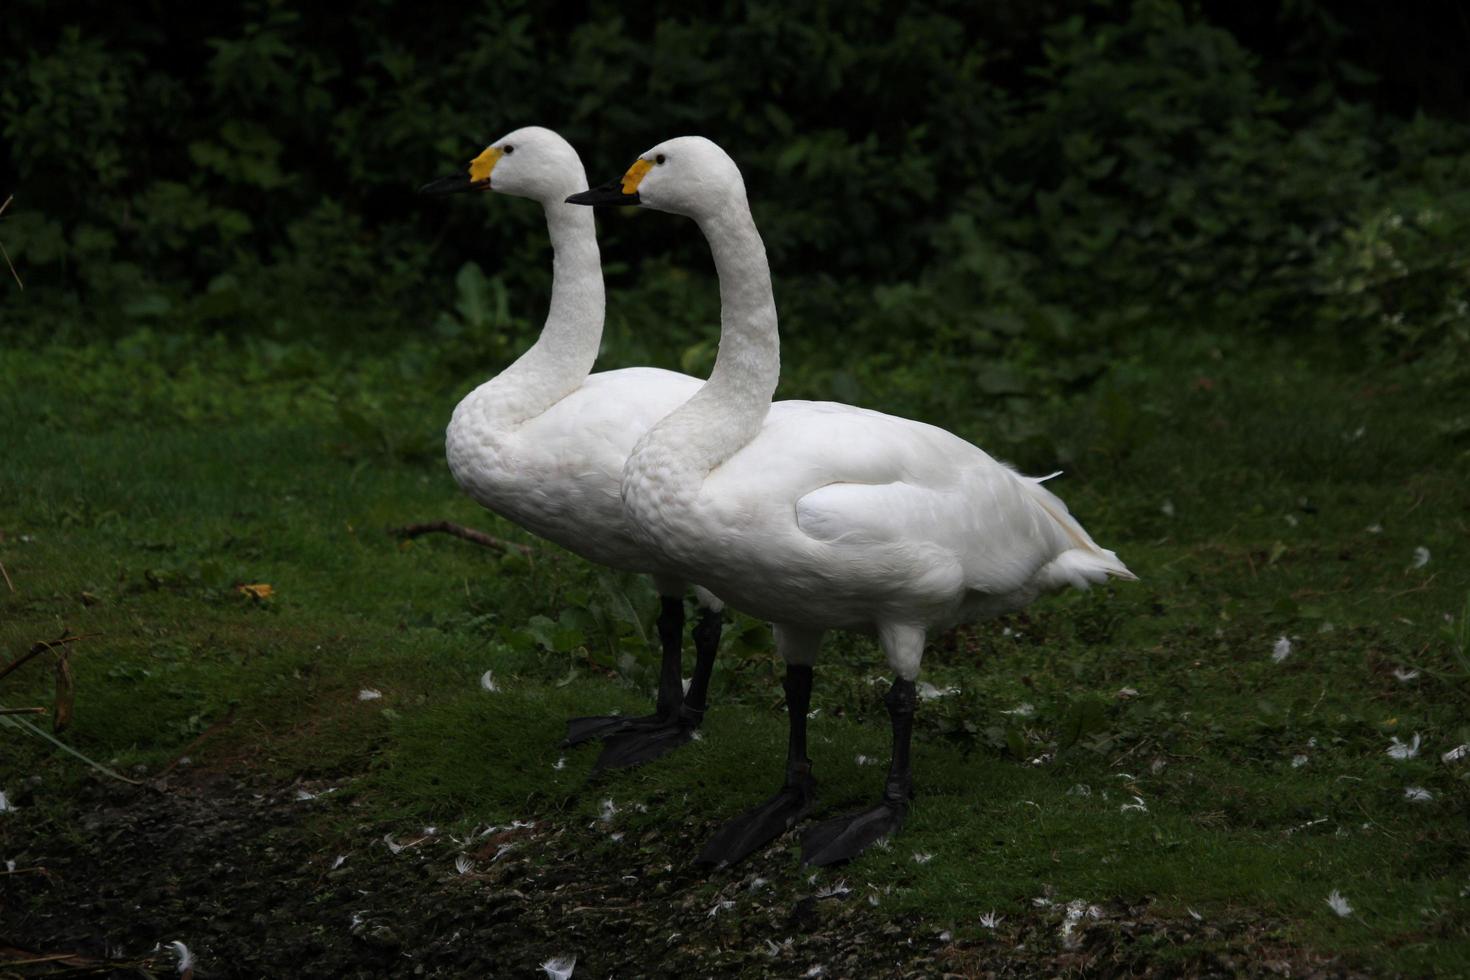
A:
x: 1140, y: 747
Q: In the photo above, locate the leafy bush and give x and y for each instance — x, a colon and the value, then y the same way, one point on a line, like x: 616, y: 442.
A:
x: 974, y: 206
x: 1152, y: 177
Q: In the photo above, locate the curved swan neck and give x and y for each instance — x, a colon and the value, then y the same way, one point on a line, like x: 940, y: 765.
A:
x: 728, y: 411
x: 564, y: 353
x: 749, y: 361
x: 562, y: 357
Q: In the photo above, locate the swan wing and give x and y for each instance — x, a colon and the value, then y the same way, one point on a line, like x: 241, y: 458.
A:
x: 599, y: 423
x: 939, y: 505
x: 581, y: 443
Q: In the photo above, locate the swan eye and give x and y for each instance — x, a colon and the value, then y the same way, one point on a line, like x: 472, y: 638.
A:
x: 659, y: 159
x: 509, y: 149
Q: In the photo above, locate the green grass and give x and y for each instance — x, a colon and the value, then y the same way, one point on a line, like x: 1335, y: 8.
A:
x: 1257, y: 494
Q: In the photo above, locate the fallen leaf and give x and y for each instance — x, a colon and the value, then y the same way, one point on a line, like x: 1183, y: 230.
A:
x: 65, y: 693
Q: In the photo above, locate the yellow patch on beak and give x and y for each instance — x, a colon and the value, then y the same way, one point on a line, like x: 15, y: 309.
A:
x: 481, y: 165
x: 635, y: 175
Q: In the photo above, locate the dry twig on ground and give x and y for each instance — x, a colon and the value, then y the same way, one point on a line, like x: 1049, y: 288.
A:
x: 65, y: 686
x: 460, y: 531
x: 40, y: 647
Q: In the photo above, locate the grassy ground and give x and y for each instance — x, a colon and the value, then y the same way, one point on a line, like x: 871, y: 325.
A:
x: 1132, y: 747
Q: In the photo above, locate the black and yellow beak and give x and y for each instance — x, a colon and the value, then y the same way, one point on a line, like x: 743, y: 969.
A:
x: 624, y: 190
x: 476, y: 177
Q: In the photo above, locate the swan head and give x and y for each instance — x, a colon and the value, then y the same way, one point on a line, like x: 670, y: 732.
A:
x: 531, y: 162
x: 688, y: 175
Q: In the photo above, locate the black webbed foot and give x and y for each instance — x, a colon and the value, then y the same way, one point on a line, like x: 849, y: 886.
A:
x: 639, y: 745
x: 581, y: 730
x: 761, y: 824
x: 844, y: 838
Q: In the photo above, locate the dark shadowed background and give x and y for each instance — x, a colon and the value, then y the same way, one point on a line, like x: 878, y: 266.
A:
x: 985, y: 188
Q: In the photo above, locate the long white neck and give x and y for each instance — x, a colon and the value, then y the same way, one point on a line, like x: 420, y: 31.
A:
x: 562, y: 357
x: 728, y: 411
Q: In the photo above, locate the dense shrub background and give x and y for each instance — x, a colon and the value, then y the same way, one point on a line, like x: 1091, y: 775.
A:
x: 990, y: 197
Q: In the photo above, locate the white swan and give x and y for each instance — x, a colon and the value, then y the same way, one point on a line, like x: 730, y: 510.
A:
x: 818, y: 515
x: 544, y: 442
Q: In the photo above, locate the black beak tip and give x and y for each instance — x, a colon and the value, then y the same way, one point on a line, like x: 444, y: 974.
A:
x: 453, y: 184
x: 608, y: 195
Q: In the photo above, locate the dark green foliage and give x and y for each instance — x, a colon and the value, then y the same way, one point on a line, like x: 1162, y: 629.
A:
x: 1005, y: 192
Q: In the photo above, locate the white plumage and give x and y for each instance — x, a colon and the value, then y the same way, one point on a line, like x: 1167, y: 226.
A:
x: 557, y: 473
x: 544, y: 442
x: 817, y: 515
x: 840, y: 517
x: 820, y: 514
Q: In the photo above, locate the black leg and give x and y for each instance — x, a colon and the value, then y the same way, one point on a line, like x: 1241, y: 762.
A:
x: 844, y: 838
x: 670, y: 628
x: 671, y: 669
x: 706, y: 646
x: 902, y: 700
x: 635, y: 747
x: 762, y: 824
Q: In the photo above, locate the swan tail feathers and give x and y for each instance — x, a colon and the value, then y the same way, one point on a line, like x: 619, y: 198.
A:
x: 1085, y: 563
x: 1082, y: 568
